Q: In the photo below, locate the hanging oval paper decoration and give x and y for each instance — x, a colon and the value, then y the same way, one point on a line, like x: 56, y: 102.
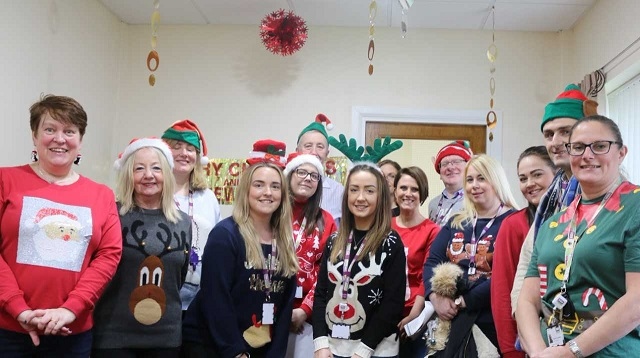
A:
x: 154, y: 42
x: 152, y: 79
x: 370, y: 69
x: 373, y: 10
x: 492, y: 53
x: 492, y: 86
x: 153, y: 61
x: 492, y: 119
x: 155, y: 21
x: 372, y: 50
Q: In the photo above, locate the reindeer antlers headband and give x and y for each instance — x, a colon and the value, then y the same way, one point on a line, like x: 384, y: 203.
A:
x: 357, y: 153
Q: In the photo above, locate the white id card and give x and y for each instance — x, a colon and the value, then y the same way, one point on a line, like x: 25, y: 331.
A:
x: 299, y: 292
x: 340, y: 331
x: 555, y: 336
x: 267, y: 313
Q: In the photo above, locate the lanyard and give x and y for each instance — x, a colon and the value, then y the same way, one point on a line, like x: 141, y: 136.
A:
x: 472, y: 258
x: 572, y: 237
x: 194, y: 258
x: 268, y: 269
x: 298, y: 238
x: 346, y: 266
x: 441, y: 216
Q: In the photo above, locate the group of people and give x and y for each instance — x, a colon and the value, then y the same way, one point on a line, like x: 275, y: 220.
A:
x: 305, y: 267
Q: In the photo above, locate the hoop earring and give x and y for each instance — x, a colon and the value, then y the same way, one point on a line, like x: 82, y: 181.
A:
x: 78, y: 159
x: 34, y: 156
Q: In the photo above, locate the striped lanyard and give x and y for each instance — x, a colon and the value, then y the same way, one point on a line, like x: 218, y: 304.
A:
x: 347, y: 266
x: 441, y: 216
x: 572, y: 237
x: 268, y: 269
x: 298, y: 237
x: 194, y: 257
x: 472, y: 258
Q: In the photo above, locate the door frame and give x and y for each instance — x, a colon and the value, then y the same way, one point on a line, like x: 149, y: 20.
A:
x: 361, y: 115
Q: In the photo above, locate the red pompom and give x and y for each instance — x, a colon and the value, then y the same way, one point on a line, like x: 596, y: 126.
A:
x: 282, y: 32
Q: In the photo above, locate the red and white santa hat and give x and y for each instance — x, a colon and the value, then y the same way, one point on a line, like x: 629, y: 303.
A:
x: 139, y: 143
x: 268, y: 151
x: 54, y: 215
x: 296, y: 159
x: 460, y: 148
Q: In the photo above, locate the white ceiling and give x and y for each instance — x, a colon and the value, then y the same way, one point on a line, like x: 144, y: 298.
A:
x: 510, y: 15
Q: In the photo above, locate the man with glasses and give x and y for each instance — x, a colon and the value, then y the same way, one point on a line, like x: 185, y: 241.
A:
x: 314, y: 140
x: 449, y: 163
x: 559, y: 116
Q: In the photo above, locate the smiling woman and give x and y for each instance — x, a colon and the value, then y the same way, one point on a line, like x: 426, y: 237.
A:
x: 588, y: 255
x: 468, y: 241
x: 249, y: 265
x: 144, y: 293
x: 56, y: 226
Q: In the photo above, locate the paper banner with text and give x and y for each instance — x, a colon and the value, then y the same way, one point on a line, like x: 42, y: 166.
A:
x: 223, y: 175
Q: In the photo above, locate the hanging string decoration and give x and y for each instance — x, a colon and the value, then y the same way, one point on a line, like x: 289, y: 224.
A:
x: 373, y: 11
x: 283, y: 32
x: 406, y: 5
x: 492, y: 55
x: 153, y: 59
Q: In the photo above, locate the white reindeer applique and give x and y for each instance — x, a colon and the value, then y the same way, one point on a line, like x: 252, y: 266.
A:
x: 354, y: 316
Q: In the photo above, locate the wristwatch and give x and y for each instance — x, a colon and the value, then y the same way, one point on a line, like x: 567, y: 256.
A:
x: 573, y: 347
x: 458, y: 301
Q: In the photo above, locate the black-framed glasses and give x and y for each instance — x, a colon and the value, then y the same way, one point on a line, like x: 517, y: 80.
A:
x: 302, y: 174
x: 445, y: 164
x: 597, y: 147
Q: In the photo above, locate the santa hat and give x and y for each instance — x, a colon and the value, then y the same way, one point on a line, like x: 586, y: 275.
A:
x: 188, y: 132
x: 296, y: 159
x: 53, y: 215
x: 318, y: 126
x: 268, y: 151
x: 460, y: 148
x: 571, y: 103
x: 138, y: 143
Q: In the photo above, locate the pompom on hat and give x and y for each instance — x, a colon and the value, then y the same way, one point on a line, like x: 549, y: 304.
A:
x: 188, y: 132
x: 296, y: 159
x: 571, y: 103
x: 318, y: 125
x: 268, y: 151
x: 460, y: 148
x: 139, y: 143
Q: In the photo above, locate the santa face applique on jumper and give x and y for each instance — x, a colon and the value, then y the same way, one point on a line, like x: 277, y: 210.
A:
x: 53, y: 235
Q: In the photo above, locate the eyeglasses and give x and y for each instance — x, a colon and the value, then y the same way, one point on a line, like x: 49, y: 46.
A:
x: 597, y: 147
x: 454, y: 162
x: 302, y: 174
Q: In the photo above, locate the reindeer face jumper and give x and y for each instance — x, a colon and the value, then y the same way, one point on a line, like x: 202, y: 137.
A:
x: 141, y: 307
x: 375, y: 300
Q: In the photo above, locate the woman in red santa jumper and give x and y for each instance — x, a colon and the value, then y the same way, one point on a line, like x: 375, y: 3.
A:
x: 311, y: 229
x: 60, y: 240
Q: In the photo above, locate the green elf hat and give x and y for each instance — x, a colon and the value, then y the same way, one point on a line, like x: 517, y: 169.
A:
x: 188, y: 132
x: 571, y: 103
x: 318, y: 125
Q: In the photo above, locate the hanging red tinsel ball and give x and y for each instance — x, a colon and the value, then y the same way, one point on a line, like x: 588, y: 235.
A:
x: 283, y: 32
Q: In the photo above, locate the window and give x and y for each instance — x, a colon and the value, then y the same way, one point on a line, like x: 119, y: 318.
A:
x: 624, y: 108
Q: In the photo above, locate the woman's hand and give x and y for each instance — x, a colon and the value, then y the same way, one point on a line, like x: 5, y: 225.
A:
x: 298, y: 317
x: 444, y: 306
x: 415, y: 312
x: 554, y: 352
x: 25, y: 318
x: 54, y: 320
x: 323, y: 353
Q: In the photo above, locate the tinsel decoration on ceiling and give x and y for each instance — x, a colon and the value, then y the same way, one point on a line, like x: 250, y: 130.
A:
x: 283, y: 32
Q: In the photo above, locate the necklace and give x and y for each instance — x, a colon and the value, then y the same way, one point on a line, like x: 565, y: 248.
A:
x: 52, y: 179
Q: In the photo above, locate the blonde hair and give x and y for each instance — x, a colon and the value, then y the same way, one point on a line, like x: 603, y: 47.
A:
x: 125, y: 186
x: 493, y: 172
x: 197, y: 178
x: 382, y: 217
x: 280, y: 224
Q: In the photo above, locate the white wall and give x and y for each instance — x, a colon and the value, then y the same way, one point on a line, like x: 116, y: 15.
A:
x: 72, y: 48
